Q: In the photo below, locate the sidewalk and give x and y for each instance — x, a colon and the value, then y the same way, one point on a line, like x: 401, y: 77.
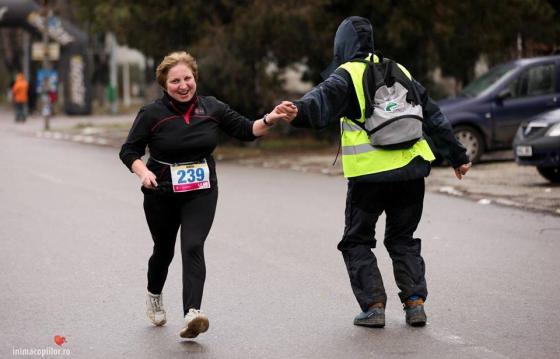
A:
x: 104, y: 130
x: 497, y: 179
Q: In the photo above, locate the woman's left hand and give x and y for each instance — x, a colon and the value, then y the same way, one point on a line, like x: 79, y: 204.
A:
x: 284, y: 111
x: 273, y: 117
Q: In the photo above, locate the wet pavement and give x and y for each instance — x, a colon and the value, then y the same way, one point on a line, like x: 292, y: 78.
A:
x: 75, y: 247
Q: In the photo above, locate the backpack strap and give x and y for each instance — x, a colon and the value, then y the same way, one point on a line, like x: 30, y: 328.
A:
x: 372, y: 74
x: 361, y: 124
x: 400, y: 74
x: 415, y: 95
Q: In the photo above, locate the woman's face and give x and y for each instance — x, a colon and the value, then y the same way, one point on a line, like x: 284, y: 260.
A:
x: 180, y: 83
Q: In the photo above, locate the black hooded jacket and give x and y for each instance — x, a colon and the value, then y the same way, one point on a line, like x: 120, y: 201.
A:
x: 335, y: 97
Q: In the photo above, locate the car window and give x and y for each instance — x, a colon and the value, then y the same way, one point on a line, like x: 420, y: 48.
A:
x: 518, y: 87
x: 538, y: 80
x: 477, y: 86
x: 541, y: 80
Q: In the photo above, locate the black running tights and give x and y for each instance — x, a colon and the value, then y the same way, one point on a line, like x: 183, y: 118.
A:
x: 194, y: 215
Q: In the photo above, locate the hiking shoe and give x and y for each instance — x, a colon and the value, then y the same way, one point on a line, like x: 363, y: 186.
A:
x: 154, y: 309
x: 195, y: 323
x: 373, y: 318
x: 415, y: 315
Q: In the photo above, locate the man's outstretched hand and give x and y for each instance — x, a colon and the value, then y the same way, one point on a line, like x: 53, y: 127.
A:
x: 462, y: 170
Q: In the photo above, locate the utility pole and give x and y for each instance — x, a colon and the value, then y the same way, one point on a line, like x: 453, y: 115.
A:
x: 26, y: 55
x: 111, y: 48
x: 519, y: 45
x: 46, y: 110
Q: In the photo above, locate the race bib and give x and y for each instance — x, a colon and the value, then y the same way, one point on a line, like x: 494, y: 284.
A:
x: 190, y: 176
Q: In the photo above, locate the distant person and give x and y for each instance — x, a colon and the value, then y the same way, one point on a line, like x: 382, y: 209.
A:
x: 380, y: 179
x: 179, y: 181
x: 20, y: 97
x: 52, y: 95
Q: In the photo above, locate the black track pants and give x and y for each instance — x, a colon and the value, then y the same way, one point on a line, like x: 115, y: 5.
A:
x: 402, y: 203
x: 194, y: 214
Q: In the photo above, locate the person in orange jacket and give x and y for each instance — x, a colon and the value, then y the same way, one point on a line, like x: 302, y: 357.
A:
x: 20, y: 97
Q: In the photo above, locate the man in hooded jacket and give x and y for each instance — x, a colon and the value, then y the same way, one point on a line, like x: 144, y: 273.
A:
x: 379, y: 180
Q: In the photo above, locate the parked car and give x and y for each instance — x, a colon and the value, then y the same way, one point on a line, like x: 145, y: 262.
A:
x: 486, y: 114
x: 537, y: 143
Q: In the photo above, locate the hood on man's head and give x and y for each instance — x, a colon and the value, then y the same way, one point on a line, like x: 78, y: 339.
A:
x: 353, y: 40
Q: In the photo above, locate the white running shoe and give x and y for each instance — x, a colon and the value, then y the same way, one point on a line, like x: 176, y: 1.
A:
x: 195, y: 323
x: 154, y: 309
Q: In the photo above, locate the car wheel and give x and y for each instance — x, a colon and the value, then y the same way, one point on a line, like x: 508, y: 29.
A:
x: 550, y: 173
x: 472, y: 140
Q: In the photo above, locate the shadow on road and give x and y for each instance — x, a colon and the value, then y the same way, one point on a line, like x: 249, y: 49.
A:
x: 193, y: 347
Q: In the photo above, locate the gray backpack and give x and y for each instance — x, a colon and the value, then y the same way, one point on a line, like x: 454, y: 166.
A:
x: 394, y: 112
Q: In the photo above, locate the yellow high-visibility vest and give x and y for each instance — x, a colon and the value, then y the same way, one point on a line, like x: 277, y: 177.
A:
x: 359, y: 157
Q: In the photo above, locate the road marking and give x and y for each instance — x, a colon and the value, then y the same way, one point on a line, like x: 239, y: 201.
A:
x: 47, y: 177
x: 450, y: 190
x: 449, y: 338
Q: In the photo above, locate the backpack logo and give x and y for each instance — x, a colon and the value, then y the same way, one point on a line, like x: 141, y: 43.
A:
x: 391, y: 106
x: 392, y: 118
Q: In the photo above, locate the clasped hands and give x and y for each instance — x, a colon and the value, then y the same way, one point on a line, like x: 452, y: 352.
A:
x: 286, y: 111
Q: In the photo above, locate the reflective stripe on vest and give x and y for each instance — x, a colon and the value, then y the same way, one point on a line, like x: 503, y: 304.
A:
x: 359, y: 157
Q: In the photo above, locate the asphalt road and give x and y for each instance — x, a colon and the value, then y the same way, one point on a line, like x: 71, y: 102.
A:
x: 74, y: 250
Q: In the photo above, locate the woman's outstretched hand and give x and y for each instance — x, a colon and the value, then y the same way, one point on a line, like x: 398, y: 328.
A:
x: 284, y: 111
